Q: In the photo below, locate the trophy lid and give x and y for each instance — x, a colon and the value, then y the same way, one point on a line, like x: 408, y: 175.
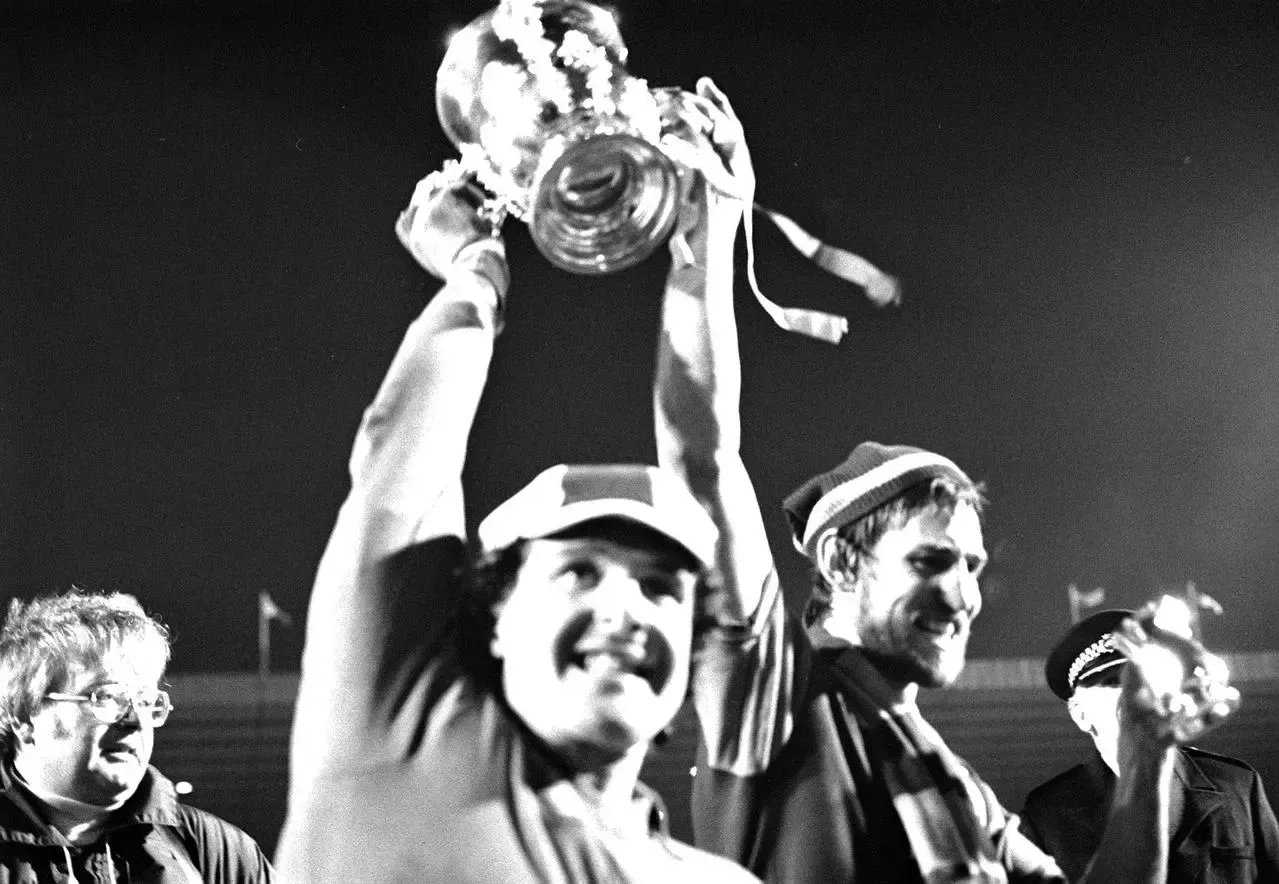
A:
x: 514, y: 70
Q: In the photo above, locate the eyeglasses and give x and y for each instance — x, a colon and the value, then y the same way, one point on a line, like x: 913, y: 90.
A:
x: 111, y: 705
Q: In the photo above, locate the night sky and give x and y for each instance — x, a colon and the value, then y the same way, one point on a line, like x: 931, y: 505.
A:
x: 200, y: 287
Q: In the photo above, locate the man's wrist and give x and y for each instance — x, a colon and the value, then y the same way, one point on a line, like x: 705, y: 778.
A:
x: 1148, y: 763
x: 485, y: 260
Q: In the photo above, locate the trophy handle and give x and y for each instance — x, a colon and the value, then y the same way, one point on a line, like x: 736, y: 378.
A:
x: 1188, y: 684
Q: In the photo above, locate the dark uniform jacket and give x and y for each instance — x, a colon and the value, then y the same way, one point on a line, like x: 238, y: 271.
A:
x: 152, y: 840
x: 1223, y: 829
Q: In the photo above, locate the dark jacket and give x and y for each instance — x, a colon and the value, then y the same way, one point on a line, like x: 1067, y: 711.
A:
x: 152, y: 839
x: 1223, y: 829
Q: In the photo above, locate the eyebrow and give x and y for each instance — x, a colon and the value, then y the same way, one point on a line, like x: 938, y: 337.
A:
x: 938, y: 546
x: 933, y: 546
x: 112, y: 683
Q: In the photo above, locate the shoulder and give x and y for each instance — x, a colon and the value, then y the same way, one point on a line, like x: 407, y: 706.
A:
x: 1216, y: 766
x: 195, y: 819
x: 217, y: 844
x: 1050, y: 792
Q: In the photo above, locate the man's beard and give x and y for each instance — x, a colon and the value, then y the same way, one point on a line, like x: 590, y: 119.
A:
x: 904, y: 665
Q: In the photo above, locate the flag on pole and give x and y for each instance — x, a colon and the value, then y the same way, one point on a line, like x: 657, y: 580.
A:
x: 268, y: 610
x: 1084, y: 602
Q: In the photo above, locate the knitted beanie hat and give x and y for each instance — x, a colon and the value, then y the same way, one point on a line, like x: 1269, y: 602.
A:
x: 869, y: 477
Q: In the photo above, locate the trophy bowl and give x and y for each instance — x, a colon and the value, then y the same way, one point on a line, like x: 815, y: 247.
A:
x: 538, y: 101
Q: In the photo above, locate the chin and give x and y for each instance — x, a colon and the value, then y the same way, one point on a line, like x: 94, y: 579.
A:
x: 108, y: 794
x: 622, y: 731
x: 947, y: 673
x: 638, y: 710
x: 938, y: 679
x: 934, y: 672
x: 123, y: 776
x: 600, y: 741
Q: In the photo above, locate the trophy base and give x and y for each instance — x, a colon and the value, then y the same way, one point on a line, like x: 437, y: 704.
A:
x: 605, y: 204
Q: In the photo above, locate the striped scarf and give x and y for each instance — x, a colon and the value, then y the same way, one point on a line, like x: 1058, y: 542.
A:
x: 935, y: 794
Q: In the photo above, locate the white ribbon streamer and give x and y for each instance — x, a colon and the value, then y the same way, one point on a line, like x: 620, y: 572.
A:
x: 881, y: 288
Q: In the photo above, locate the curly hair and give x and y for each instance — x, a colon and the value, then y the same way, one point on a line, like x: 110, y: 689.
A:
x: 861, y: 535
x: 491, y: 578
x: 47, y: 639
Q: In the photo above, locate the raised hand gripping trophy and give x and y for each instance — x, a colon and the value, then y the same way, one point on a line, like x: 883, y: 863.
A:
x: 1188, y: 686
x: 537, y: 99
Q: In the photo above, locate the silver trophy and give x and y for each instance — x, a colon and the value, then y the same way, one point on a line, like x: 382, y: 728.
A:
x: 1188, y: 685
x: 536, y: 97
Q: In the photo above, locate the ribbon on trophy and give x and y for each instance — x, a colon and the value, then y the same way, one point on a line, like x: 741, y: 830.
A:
x: 881, y: 289
x: 537, y: 99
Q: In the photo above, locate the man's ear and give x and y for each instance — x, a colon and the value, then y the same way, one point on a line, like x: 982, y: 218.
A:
x: 836, y: 561
x: 1079, y: 715
x: 495, y: 641
x: 25, y: 733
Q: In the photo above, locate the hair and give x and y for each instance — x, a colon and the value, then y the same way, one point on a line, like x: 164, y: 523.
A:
x: 46, y: 639
x: 862, y: 534
x: 492, y: 576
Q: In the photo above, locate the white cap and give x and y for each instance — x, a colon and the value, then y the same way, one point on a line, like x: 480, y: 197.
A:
x: 564, y: 496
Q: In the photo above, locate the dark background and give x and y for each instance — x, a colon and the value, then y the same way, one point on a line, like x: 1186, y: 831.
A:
x: 200, y: 287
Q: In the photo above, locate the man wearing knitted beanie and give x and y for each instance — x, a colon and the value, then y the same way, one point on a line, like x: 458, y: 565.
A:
x: 815, y: 764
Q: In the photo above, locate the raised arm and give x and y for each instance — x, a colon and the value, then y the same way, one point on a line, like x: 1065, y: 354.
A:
x: 698, y: 381
x: 1173, y: 692
x: 364, y: 629
x: 1135, y: 844
x: 742, y: 681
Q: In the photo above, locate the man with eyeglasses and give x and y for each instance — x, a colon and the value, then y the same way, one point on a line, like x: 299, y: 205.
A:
x: 80, y: 701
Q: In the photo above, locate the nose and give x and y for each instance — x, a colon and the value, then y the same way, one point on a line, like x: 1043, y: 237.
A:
x: 961, y: 591
x: 130, y: 720
x: 615, y: 602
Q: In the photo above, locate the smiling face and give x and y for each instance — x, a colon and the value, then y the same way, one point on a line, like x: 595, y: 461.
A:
x: 918, y: 596
x: 70, y: 753
x: 595, y: 639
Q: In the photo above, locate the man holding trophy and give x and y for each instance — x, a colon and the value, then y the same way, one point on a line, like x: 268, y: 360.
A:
x: 816, y: 764
x: 484, y: 718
